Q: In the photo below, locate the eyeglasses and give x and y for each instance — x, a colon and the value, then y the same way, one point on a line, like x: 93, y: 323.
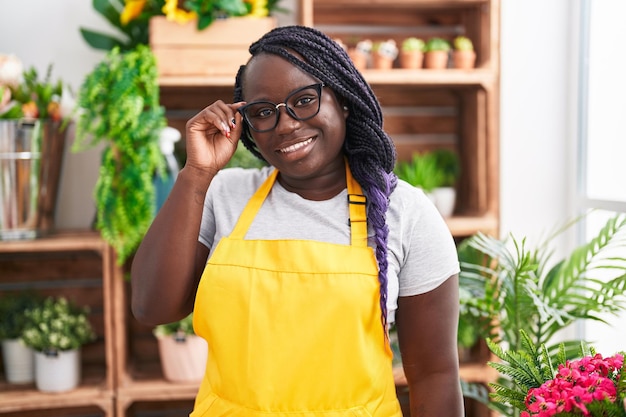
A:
x: 301, y: 104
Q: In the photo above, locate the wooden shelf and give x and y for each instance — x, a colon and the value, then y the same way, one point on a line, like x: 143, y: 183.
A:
x: 91, y: 392
x: 61, y: 241
x: 463, y: 226
x: 423, y: 77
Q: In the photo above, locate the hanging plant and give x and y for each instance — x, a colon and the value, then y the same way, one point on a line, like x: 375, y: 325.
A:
x: 118, y: 105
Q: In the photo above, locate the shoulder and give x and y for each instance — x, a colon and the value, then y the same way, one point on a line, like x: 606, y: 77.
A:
x: 409, y: 200
x: 239, y: 180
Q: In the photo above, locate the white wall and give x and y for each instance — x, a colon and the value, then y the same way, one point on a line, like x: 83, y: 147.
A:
x: 536, y: 133
x: 43, y: 32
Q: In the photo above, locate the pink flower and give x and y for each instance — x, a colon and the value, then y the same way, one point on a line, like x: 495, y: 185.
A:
x: 576, y: 384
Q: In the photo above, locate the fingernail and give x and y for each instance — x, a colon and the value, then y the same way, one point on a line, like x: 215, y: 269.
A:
x: 225, y: 128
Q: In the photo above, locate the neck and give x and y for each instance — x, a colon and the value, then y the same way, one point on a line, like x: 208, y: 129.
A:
x: 323, y: 186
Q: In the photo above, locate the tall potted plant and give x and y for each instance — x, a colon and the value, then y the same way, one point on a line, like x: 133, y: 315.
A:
x: 118, y: 106
x: 514, y: 289
x: 56, y: 329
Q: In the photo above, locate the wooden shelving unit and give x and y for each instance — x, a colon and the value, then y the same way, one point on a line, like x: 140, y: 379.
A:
x: 423, y: 109
x: 78, y: 265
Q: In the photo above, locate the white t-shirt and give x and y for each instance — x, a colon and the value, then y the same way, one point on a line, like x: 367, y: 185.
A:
x: 421, y: 250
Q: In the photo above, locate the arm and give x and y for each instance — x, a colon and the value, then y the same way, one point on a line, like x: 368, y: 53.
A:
x: 427, y: 334
x: 169, y: 261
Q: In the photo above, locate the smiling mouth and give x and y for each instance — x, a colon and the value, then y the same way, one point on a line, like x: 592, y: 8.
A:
x: 296, y: 146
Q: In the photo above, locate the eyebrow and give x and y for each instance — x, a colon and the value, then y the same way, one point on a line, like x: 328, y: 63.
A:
x: 287, y: 95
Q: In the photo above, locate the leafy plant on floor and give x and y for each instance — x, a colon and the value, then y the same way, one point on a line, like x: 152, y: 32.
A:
x: 118, y: 106
x: 514, y: 289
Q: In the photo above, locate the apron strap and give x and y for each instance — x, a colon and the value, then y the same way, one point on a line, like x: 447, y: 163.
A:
x: 356, y: 204
x: 254, y: 205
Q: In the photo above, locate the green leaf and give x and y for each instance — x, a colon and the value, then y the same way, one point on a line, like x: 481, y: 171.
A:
x: 99, y: 40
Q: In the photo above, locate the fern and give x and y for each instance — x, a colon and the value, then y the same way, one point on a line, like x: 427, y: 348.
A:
x: 521, y: 299
x: 119, y: 106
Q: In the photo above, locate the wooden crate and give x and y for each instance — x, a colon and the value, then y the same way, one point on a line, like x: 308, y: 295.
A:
x: 77, y: 266
x: 219, y: 50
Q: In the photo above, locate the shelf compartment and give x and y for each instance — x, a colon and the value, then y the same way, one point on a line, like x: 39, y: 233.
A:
x: 74, y: 265
x: 354, y: 20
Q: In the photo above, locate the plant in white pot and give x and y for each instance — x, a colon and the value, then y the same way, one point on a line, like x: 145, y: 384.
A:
x: 420, y: 171
x: 183, y: 354
x: 444, y: 194
x: 56, y: 329
x: 18, y: 358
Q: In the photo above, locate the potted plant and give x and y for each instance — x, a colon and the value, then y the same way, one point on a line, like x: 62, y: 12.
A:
x: 131, y: 19
x: 516, y: 289
x: 18, y: 358
x: 361, y: 54
x: 412, y: 53
x: 383, y: 54
x: 420, y: 171
x: 56, y: 329
x: 436, y: 53
x: 463, y: 54
x: 118, y: 106
x: 445, y: 193
x: 32, y: 142
x: 183, y: 354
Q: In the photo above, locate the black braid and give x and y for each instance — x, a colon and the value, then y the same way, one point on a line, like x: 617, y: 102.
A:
x: 369, y: 150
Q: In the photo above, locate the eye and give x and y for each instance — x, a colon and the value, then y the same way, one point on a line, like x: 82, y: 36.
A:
x: 305, y: 99
x: 261, y: 111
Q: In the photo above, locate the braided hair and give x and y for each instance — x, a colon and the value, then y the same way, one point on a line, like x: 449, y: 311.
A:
x: 370, y: 152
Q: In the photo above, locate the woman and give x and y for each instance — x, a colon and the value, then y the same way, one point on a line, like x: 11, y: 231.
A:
x: 295, y: 271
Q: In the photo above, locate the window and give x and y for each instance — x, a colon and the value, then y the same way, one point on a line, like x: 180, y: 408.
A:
x: 601, y: 182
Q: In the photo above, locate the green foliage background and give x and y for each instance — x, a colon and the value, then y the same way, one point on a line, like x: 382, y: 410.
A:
x: 118, y: 105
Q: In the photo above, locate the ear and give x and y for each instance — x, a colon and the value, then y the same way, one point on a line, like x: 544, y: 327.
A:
x: 346, y: 111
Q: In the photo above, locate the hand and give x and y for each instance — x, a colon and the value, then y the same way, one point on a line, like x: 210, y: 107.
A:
x: 212, y: 136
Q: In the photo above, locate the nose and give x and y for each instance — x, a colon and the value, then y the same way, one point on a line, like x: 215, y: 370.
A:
x: 285, y: 123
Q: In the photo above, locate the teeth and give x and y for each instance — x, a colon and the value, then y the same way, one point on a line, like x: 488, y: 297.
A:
x: 296, y: 146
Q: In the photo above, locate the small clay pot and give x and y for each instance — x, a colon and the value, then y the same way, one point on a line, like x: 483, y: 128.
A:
x: 411, y: 59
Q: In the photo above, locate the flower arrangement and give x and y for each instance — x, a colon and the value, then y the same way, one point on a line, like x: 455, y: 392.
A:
x: 591, y: 385
x: 24, y: 95
x: 57, y: 325
x: 580, y: 386
x: 131, y: 17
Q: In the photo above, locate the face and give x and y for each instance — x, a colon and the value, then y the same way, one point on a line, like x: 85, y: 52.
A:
x: 299, y: 149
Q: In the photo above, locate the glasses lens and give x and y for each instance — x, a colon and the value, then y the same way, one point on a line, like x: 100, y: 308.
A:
x: 302, y: 104
x: 261, y: 115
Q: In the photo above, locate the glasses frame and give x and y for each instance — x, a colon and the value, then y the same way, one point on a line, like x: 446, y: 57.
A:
x: 317, y: 86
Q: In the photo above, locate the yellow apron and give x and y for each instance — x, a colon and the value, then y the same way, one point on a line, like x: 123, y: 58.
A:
x: 293, y: 326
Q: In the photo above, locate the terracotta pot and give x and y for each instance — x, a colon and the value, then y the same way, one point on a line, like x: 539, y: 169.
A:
x: 382, y: 62
x: 463, y: 59
x: 358, y: 58
x: 183, y: 359
x: 411, y: 59
x: 436, y: 60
